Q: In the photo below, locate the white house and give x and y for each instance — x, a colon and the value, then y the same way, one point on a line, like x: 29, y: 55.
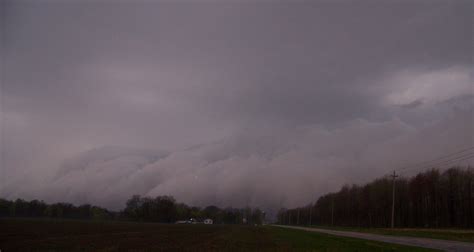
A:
x: 208, y: 221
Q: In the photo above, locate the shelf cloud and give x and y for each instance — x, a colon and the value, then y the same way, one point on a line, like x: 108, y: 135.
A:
x: 264, y: 103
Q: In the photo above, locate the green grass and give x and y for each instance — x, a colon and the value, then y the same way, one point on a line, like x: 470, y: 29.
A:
x: 66, y: 235
x: 442, y: 234
x: 313, y: 241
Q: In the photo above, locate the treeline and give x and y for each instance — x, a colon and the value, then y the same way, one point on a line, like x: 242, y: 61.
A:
x: 36, y: 208
x: 163, y: 209
x: 431, y: 199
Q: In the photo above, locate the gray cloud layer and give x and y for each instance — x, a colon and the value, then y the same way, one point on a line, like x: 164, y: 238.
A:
x: 264, y: 103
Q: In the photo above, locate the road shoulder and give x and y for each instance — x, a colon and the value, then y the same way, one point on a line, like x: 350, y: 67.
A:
x: 410, y: 241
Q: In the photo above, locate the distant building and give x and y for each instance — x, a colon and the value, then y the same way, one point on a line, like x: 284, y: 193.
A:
x: 190, y: 221
x: 208, y: 221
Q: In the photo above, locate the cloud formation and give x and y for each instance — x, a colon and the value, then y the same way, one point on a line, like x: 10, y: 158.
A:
x: 264, y: 103
x: 269, y: 169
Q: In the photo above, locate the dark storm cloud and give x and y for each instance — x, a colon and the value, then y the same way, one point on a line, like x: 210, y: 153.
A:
x: 242, y: 80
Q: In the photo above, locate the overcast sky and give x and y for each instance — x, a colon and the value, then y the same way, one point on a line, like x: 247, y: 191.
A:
x: 263, y: 103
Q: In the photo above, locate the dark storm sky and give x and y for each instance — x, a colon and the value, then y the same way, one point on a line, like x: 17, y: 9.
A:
x: 269, y: 103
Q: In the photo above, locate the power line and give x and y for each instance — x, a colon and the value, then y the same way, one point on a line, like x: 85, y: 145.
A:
x: 463, y: 157
x: 466, y: 158
x: 442, y: 162
x: 436, y: 159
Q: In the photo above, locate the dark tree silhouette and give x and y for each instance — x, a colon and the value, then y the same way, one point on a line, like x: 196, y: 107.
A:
x: 430, y: 199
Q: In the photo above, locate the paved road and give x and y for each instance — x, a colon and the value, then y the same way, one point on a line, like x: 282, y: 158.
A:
x: 411, y: 241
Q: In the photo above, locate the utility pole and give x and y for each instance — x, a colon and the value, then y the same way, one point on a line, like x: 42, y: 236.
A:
x: 332, y: 210
x: 394, y: 176
x: 310, y: 208
x: 298, y: 217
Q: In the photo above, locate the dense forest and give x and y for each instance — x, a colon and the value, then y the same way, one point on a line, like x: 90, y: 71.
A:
x: 163, y: 209
x: 431, y: 199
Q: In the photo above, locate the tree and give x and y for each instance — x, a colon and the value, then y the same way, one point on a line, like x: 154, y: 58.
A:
x: 429, y: 199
